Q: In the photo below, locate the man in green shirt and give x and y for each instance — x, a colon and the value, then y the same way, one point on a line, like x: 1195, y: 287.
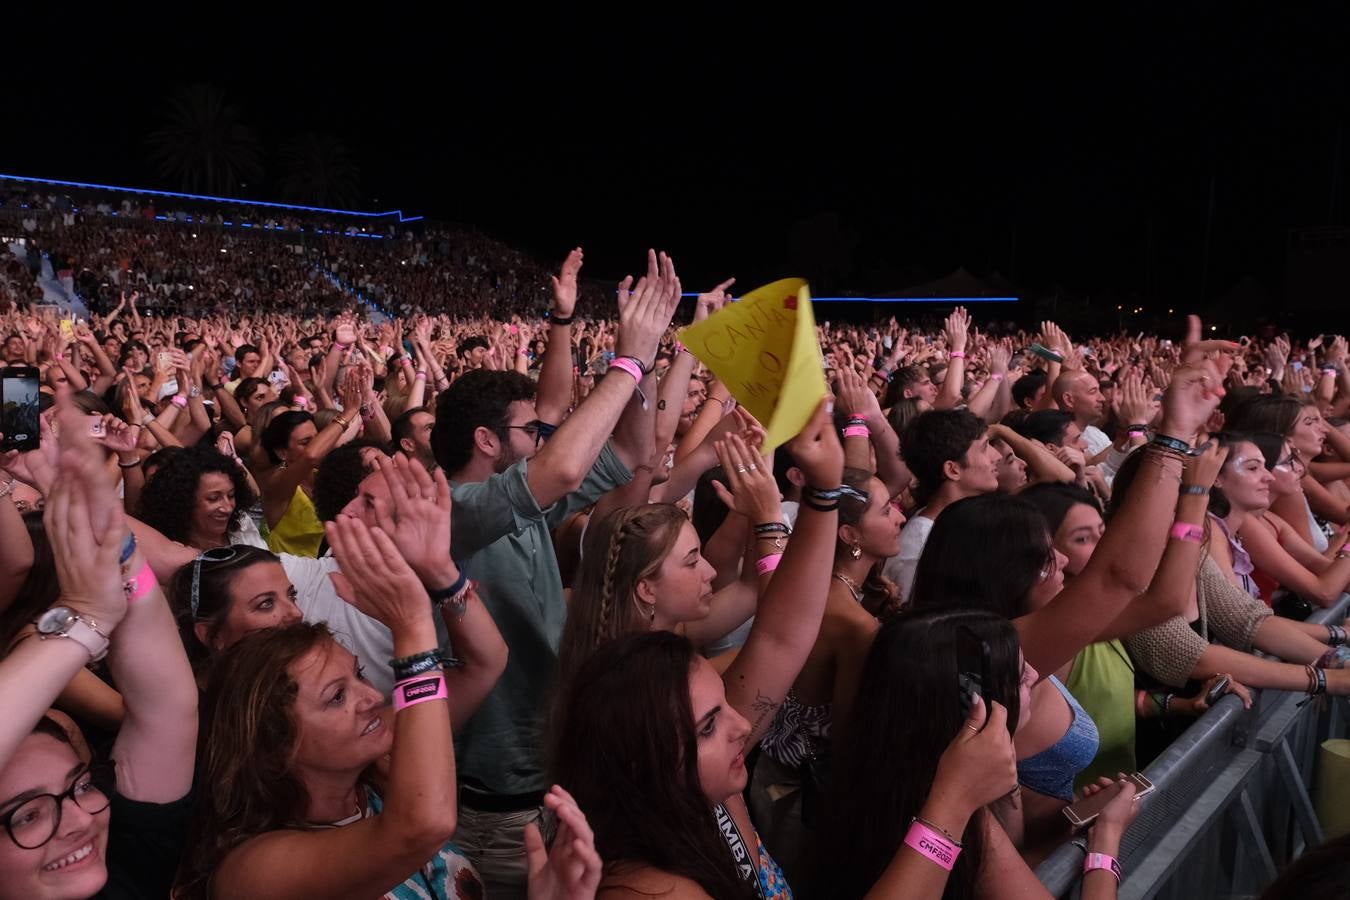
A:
x: 510, y: 489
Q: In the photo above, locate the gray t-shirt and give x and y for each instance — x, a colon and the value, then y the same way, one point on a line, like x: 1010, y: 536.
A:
x: 503, y: 541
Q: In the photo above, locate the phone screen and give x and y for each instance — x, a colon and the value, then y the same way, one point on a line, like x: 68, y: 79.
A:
x: 19, y: 408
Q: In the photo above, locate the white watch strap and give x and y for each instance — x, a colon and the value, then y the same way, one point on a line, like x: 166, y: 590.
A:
x: 87, y: 636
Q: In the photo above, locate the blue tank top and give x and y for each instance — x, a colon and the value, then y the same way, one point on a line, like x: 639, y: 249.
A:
x: 1052, y: 771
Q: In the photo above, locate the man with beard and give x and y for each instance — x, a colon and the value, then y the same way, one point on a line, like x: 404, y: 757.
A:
x: 510, y: 489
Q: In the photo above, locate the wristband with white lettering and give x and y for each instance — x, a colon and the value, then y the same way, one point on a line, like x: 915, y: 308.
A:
x: 419, y: 690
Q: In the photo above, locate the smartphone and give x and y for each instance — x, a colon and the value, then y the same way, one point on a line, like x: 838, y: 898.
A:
x: 974, y: 667
x: 67, y: 329
x: 1220, y: 688
x: 96, y: 427
x: 1046, y: 353
x: 19, y: 408
x: 1085, y: 812
x: 165, y: 360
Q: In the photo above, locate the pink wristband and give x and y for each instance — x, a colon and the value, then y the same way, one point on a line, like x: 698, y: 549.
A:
x: 1185, y: 531
x: 957, y: 354
x: 624, y: 364
x: 178, y: 400
x: 857, y: 431
x: 768, y: 563
x: 142, y: 584
x: 1102, y: 861
x: 420, y: 376
x: 523, y: 351
x: 995, y: 376
x: 300, y: 401
x: 419, y: 690
x: 933, y: 846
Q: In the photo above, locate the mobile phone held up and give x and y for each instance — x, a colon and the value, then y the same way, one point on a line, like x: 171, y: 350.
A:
x: 1086, y: 811
x: 19, y: 408
x: 1220, y: 688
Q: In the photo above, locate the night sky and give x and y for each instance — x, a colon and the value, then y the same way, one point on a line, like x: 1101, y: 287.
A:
x: 1062, y: 148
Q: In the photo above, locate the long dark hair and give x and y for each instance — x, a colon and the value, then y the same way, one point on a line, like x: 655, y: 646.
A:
x: 908, y: 698
x: 984, y: 552
x: 245, y: 783
x: 624, y: 745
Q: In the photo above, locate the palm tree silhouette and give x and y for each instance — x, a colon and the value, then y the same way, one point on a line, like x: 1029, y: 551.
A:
x: 204, y: 145
x: 319, y: 169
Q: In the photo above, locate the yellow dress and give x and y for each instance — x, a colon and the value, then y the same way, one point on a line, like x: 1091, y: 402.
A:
x: 299, y: 532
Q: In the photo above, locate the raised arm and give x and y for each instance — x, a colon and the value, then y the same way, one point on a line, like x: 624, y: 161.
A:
x: 1124, y: 562
x: 957, y: 328
x: 372, y: 856
x: 420, y: 529
x: 559, y: 467
x: 1170, y: 591
x: 791, y: 607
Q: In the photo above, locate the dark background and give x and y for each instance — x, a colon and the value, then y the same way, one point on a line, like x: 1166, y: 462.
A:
x: 1071, y: 151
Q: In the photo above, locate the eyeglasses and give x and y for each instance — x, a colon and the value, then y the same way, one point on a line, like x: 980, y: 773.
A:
x: 216, y: 555
x: 537, y: 429
x: 35, y: 821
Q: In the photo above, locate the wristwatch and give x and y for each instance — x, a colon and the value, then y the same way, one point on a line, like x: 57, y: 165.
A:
x: 62, y: 621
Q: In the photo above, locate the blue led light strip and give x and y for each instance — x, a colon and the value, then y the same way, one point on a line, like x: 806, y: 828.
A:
x: 235, y: 200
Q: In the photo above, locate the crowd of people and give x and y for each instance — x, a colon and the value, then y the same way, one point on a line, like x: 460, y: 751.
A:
x: 193, y: 260
x: 294, y: 604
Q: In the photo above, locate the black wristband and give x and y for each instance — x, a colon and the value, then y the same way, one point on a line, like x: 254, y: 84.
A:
x: 1177, y: 444
x: 560, y: 320
x: 1195, y: 490
x: 440, y: 596
x: 821, y: 500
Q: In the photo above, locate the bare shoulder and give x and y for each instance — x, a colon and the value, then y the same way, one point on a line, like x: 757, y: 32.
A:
x: 647, y: 882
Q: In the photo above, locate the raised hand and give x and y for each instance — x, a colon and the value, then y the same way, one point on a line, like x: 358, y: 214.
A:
x: 572, y: 869
x: 1132, y: 403
x: 417, y: 517
x: 1193, y: 394
x: 957, y: 329
x: 645, y: 314
x: 1201, y: 470
x: 373, y: 576
x: 565, y: 284
x: 753, y: 492
x: 84, y: 522
x: 711, y: 302
x: 817, y: 450
x: 854, y: 397
x: 979, y: 766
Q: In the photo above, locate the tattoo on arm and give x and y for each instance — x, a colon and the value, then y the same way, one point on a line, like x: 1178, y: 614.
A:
x: 762, y: 707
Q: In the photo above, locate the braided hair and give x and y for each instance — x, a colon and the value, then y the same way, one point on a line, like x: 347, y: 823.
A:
x: 618, y: 551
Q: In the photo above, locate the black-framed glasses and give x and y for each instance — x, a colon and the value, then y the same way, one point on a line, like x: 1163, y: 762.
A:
x: 36, y: 820
x: 534, y: 428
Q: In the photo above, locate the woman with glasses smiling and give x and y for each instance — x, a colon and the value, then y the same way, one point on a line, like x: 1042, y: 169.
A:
x: 69, y: 831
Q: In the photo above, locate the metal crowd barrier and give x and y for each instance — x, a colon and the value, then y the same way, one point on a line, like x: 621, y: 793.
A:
x: 1232, y: 803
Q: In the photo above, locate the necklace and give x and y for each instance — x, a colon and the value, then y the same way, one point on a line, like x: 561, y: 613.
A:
x: 850, y: 584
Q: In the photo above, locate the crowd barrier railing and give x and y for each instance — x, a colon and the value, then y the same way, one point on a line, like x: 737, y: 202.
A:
x: 1232, y: 800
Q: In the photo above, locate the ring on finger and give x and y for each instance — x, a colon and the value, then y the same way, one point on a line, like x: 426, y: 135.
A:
x: 741, y: 470
x: 753, y: 467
